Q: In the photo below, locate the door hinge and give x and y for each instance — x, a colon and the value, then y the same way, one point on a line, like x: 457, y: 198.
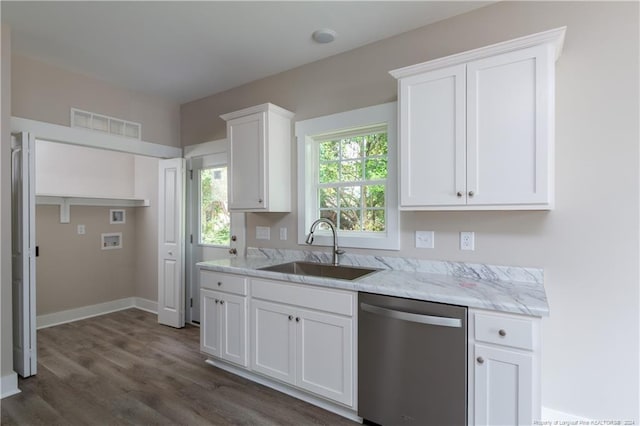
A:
x: 191, y: 174
x: 191, y: 302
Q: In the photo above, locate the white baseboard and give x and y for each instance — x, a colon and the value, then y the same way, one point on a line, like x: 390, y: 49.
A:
x: 550, y: 415
x: 9, y: 385
x: 70, y: 315
x: 146, y: 305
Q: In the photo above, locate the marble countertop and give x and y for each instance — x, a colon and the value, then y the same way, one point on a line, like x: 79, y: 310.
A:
x: 499, y: 288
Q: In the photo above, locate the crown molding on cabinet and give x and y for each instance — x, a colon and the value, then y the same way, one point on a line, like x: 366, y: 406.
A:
x: 555, y: 37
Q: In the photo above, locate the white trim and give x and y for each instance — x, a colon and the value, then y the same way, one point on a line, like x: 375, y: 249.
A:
x: 71, y: 315
x: 146, y: 305
x: 551, y: 415
x: 9, y: 385
x: 205, y: 148
x: 555, y: 37
x: 304, y: 396
x: 334, y: 123
x: 78, y: 136
x: 268, y: 107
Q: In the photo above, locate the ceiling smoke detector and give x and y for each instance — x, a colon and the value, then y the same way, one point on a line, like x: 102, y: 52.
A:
x: 324, y: 35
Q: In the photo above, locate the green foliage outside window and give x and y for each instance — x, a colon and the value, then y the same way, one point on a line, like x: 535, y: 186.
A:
x: 215, y: 221
x: 352, y: 173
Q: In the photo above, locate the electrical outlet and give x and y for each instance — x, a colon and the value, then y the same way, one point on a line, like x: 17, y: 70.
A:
x: 467, y: 240
x: 283, y: 234
x: 81, y: 230
x: 263, y: 233
x: 425, y: 239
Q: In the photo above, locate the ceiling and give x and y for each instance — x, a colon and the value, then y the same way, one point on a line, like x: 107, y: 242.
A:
x: 188, y: 50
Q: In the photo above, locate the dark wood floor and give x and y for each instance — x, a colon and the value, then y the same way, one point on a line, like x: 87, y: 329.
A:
x: 124, y: 368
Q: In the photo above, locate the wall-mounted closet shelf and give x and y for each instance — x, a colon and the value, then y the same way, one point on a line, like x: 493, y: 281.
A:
x: 65, y: 202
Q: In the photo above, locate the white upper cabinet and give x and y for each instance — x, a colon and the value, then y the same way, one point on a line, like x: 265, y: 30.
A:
x: 259, y: 141
x: 477, y: 128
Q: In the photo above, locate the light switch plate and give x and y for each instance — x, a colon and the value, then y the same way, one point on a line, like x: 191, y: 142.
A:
x: 283, y: 234
x: 263, y: 233
x: 425, y: 239
x: 81, y: 230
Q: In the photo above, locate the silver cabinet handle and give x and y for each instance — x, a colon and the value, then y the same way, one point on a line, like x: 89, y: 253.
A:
x: 290, y: 317
x: 260, y: 200
x: 459, y: 194
x: 217, y: 301
x: 480, y: 360
x: 297, y: 319
x: 233, y: 251
x: 470, y: 193
x: 222, y: 302
x: 502, y: 333
x: 219, y: 283
x: 408, y: 316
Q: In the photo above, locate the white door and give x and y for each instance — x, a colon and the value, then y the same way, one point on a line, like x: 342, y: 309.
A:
x: 171, y: 242
x: 273, y: 340
x: 325, y: 355
x: 246, y: 156
x: 210, y: 327
x: 432, y: 138
x: 23, y: 253
x: 508, y: 127
x: 233, y: 345
x: 503, y: 382
x: 213, y: 231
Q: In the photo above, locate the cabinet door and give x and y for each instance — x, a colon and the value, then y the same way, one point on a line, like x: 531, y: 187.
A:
x: 210, y: 327
x: 246, y: 156
x: 509, y: 121
x: 233, y: 338
x: 325, y: 355
x: 432, y: 138
x: 503, y: 383
x: 273, y: 340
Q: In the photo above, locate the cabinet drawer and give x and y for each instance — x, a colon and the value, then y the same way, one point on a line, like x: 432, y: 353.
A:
x: 223, y: 282
x: 328, y: 300
x: 506, y: 331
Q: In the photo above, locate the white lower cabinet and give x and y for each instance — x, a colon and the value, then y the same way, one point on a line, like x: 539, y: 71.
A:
x: 504, y: 379
x: 223, y: 327
x: 312, y: 349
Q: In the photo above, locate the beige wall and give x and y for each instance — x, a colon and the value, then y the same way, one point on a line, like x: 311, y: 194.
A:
x: 6, y: 342
x: 146, y: 186
x: 72, y: 270
x: 45, y: 92
x: 588, y: 246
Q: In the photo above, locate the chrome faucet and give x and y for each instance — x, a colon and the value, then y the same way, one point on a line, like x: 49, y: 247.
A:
x: 336, y: 250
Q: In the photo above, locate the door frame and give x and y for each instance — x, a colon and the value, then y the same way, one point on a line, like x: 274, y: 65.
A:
x: 195, y: 155
x: 40, y: 130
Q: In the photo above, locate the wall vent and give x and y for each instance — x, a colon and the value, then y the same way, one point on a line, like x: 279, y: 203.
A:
x: 105, y: 124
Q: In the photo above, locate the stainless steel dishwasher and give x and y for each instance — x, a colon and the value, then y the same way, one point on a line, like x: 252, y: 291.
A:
x: 412, y: 362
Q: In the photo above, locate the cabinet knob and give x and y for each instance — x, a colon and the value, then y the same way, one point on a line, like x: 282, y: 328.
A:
x: 502, y: 333
x: 470, y: 193
x: 234, y: 238
x: 480, y: 360
x: 260, y: 200
x: 297, y: 319
x: 459, y: 194
x: 290, y: 317
x: 217, y: 301
x: 222, y: 302
x: 219, y: 282
x: 233, y: 251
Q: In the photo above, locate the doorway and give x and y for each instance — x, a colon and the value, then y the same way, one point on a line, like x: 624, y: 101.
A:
x: 213, y: 232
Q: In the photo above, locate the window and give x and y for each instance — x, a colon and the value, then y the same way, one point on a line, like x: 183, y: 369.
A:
x: 347, y: 174
x: 214, y: 207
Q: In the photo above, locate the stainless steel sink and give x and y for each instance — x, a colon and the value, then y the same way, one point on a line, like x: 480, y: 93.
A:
x: 324, y: 270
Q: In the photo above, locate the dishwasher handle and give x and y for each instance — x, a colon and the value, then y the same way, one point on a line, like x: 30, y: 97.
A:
x: 408, y: 316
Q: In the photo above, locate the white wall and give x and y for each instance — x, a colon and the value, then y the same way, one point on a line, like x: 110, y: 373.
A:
x: 588, y: 246
x: 146, y: 186
x: 63, y: 169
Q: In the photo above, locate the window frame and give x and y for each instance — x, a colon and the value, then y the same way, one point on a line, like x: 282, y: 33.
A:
x: 308, y: 133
